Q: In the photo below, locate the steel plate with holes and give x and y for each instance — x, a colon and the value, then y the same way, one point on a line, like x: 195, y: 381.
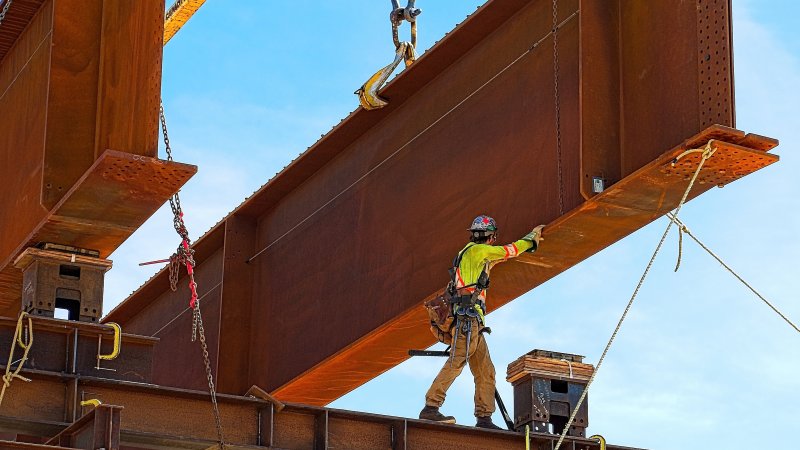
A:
x: 109, y: 202
x: 729, y: 163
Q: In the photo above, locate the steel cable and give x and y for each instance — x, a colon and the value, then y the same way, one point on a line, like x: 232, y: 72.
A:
x: 558, y: 109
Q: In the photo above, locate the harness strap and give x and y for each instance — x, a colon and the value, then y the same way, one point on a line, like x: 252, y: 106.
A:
x: 473, y: 303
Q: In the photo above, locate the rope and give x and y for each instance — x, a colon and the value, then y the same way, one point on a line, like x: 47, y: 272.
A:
x: 410, y: 141
x: 184, y: 255
x: 680, y: 248
x: 707, y: 152
x: 685, y: 229
x: 9, y: 376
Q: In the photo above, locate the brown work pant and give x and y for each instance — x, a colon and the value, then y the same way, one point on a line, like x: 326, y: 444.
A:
x: 479, y: 363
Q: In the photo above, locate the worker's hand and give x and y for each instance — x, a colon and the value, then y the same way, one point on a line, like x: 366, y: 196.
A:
x: 535, y: 235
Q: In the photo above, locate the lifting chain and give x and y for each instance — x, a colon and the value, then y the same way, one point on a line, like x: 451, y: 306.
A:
x: 9, y: 376
x: 6, y: 5
x: 184, y: 255
x: 558, y: 109
x: 404, y: 51
x: 397, y: 16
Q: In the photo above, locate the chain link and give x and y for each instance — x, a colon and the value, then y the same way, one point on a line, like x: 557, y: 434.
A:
x: 164, y: 131
x: 6, y: 5
x: 558, y: 109
x: 396, y: 17
x: 184, y: 255
x: 210, y: 376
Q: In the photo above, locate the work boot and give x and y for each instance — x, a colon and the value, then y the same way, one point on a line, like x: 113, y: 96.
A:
x: 486, y: 422
x: 432, y: 413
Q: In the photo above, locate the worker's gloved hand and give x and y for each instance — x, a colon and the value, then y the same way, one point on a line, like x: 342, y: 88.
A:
x: 534, y: 236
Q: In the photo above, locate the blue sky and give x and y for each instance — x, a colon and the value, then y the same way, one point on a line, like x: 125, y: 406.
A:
x: 700, y: 362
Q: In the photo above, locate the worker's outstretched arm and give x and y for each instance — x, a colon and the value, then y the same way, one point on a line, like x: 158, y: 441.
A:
x: 528, y: 243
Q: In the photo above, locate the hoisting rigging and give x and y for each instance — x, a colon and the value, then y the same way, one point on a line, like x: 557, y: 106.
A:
x: 369, y: 98
x: 404, y: 51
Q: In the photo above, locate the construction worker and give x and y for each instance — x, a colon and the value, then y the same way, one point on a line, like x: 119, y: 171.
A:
x: 470, y: 278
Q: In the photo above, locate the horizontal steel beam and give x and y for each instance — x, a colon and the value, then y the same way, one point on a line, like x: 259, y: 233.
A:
x: 150, y: 416
x: 80, y: 90
x: 315, y: 284
x: 97, y: 429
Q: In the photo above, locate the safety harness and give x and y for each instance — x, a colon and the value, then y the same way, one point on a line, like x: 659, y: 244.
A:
x: 467, y: 306
x: 463, y: 302
x: 453, y: 311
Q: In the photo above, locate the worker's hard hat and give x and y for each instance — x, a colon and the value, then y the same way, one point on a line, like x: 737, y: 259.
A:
x: 483, y: 224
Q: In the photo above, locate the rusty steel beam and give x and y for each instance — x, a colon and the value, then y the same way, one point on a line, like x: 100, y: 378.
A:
x: 314, y: 285
x: 16, y: 20
x: 79, y: 96
x: 160, y: 417
x: 71, y: 347
x: 14, y: 445
x: 95, y: 430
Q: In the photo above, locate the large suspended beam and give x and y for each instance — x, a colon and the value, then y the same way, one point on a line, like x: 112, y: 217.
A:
x: 79, y: 99
x: 346, y: 243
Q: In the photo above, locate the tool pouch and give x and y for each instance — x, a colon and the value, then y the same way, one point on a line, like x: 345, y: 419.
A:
x: 441, y: 316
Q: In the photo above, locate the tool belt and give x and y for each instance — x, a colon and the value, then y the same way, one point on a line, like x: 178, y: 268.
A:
x: 456, y: 303
x: 445, y: 308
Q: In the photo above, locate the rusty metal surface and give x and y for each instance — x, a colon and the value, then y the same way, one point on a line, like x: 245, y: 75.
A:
x: 111, y: 53
x: 170, y: 319
x: 469, y: 130
x: 159, y: 417
x: 73, y: 83
x: 97, y: 429
x: 15, y: 22
x: 23, y: 80
x: 625, y: 207
x: 54, y: 279
x: 70, y: 347
x: 104, y: 207
x: 11, y: 445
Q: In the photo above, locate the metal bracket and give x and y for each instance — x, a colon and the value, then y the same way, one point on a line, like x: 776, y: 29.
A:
x: 117, y: 345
